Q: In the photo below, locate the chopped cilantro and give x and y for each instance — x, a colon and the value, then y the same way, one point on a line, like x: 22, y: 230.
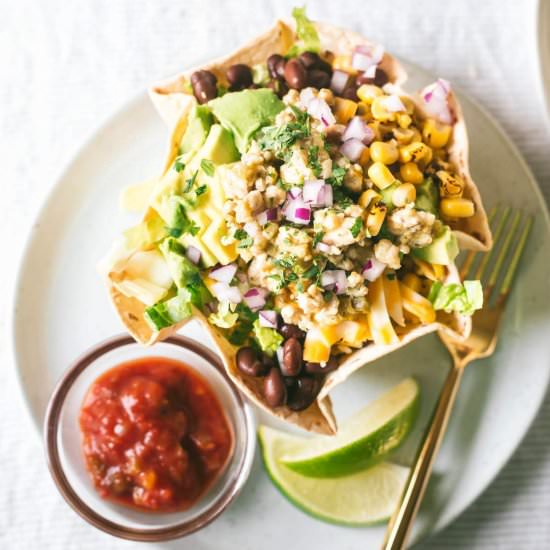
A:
x: 246, y: 243
x: 201, y: 190
x: 291, y: 277
x: 190, y: 182
x: 311, y: 273
x: 327, y: 296
x: 337, y: 177
x: 240, y: 234
x: 208, y: 167
x: 178, y: 165
x: 317, y: 238
x: 356, y: 227
x: 286, y: 262
x: 313, y: 160
x: 245, y: 240
x: 390, y: 276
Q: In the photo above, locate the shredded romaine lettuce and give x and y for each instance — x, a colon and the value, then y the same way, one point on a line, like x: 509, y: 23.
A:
x: 465, y: 298
x: 224, y: 317
x: 170, y: 312
x: 308, y: 39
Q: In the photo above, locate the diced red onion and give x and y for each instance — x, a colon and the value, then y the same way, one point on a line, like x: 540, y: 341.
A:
x: 373, y: 269
x: 298, y: 211
x: 313, y: 192
x: 251, y: 228
x: 394, y: 104
x: 193, y: 254
x: 224, y: 274
x: 242, y: 277
x: 255, y: 298
x: 224, y: 292
x: 376, y: 51
x: 358, y: 129
x: 268, y: 318
x: 365, y: 56
x: 435, y: 100
x: 306, y: 95
x: 334, y: 279
x: 295, y: 192
x: 352, y: 148
x: 318, y: 108
x: 327, y: 195
x: 339, y: 81
x: 323, y: 247
x: 371, y: 72
x: 279, y: 353
x: 269, y: 215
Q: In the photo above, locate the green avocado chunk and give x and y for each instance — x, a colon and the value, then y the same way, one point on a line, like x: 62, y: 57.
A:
x: 219, y: 147
x: 198, y: 125
x: 387, y: 194
x: 427, y: 196
x: 268, y: 338
x: 442, y: 250
x: 243, y: 113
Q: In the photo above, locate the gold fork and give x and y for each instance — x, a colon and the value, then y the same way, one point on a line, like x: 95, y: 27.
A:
x: 481, y: 343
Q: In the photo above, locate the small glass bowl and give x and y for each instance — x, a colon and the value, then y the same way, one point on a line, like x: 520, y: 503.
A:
x: 63, y: 442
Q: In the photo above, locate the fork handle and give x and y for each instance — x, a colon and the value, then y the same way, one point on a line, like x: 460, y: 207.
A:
x: 400, y: 524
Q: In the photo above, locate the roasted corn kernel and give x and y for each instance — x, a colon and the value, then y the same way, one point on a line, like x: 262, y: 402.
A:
x: 375, y: 218
x: 416, y: 152
x: 368, y: 93
x: 417, y: 136
x: 457, y: 208
x: 367, y: 197
x: 379, y: 111
x: 404, y: 194
x: 435, y: 133
x: 343, y: 63
x: 384, y: 151
x: 451, y: 185
x: 403, y: 135
x: 410, y: 173
x: 344, y: 110
x: 409, y: 104
x: 380, y: 175
x: 404, y: 120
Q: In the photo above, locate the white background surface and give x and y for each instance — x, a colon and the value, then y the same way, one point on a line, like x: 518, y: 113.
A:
x: 65, y: 66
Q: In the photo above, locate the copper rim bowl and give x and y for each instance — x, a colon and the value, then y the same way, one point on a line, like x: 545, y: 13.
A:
x: 62, y: 441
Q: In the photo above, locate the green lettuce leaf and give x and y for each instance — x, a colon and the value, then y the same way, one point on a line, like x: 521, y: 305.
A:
x: 169, y: 312
x: 268, y: 338
x: 308, y: 39
x: 465, y: 298
x: 224, y: 317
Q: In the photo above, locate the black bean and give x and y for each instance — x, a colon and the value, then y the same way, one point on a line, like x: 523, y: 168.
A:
x: 309, y: 60
x: 292, y: 331
x: 239, y: 76
x: 324, y: 66
x: 380, y: 78
x: 268, y: 362
x: 275, y: 388
x: 292, y: 357
x: 249, y: 363
x: 204, y: 86
x: 316, y: 368
x: 276, y: 65
x: 295, y: 74
x: 303, y: 393
x: 318, y: 79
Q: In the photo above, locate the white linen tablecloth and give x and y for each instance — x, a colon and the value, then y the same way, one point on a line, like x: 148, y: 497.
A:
x: 65, y: 65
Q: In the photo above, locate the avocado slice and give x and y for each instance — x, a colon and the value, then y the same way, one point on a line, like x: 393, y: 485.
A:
x: 219, y: 147
x: 427, y: 196
x: 198, y: 125
x: 387, y: 194
x: 243, y: 113
x: 442, y: 250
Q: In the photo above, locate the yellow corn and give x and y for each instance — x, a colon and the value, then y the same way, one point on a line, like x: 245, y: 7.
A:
x: 410, y: 173
x: 344, y: 109
x: 343, y: 63
x: 457, y: 208
x: 409, y: 104
x: 364, y: 158
x: 367, y: 197
x: 379, y: 111
x: 435, y: 133
x: 368, y: 93
x: 375, y: 218
x: 404, y: 194
x: 451, y: 186
x: 412, y: 281
x: 415, y: 152
x: 404, y: 120
x: 380, y: 174
x: 440, y: 155
x: 403, y: 135
x: 384, y: 151
x: 363, y: 110
x: 417, y: 135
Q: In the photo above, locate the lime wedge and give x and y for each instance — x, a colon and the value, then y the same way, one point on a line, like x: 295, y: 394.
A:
x: 362, y: 440
x: 362, y: 498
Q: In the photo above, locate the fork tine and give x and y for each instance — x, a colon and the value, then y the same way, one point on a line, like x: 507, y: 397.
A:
x: 472, y: 254
x: 485, y: 260
x: 510, y: 272
x: 495, y: 271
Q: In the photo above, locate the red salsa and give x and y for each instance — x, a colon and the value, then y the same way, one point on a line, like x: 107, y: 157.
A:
x: 154, y: 434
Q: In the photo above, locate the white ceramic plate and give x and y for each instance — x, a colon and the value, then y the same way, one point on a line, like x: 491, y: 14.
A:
x: 543, y: 39
x: 61, y: 308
